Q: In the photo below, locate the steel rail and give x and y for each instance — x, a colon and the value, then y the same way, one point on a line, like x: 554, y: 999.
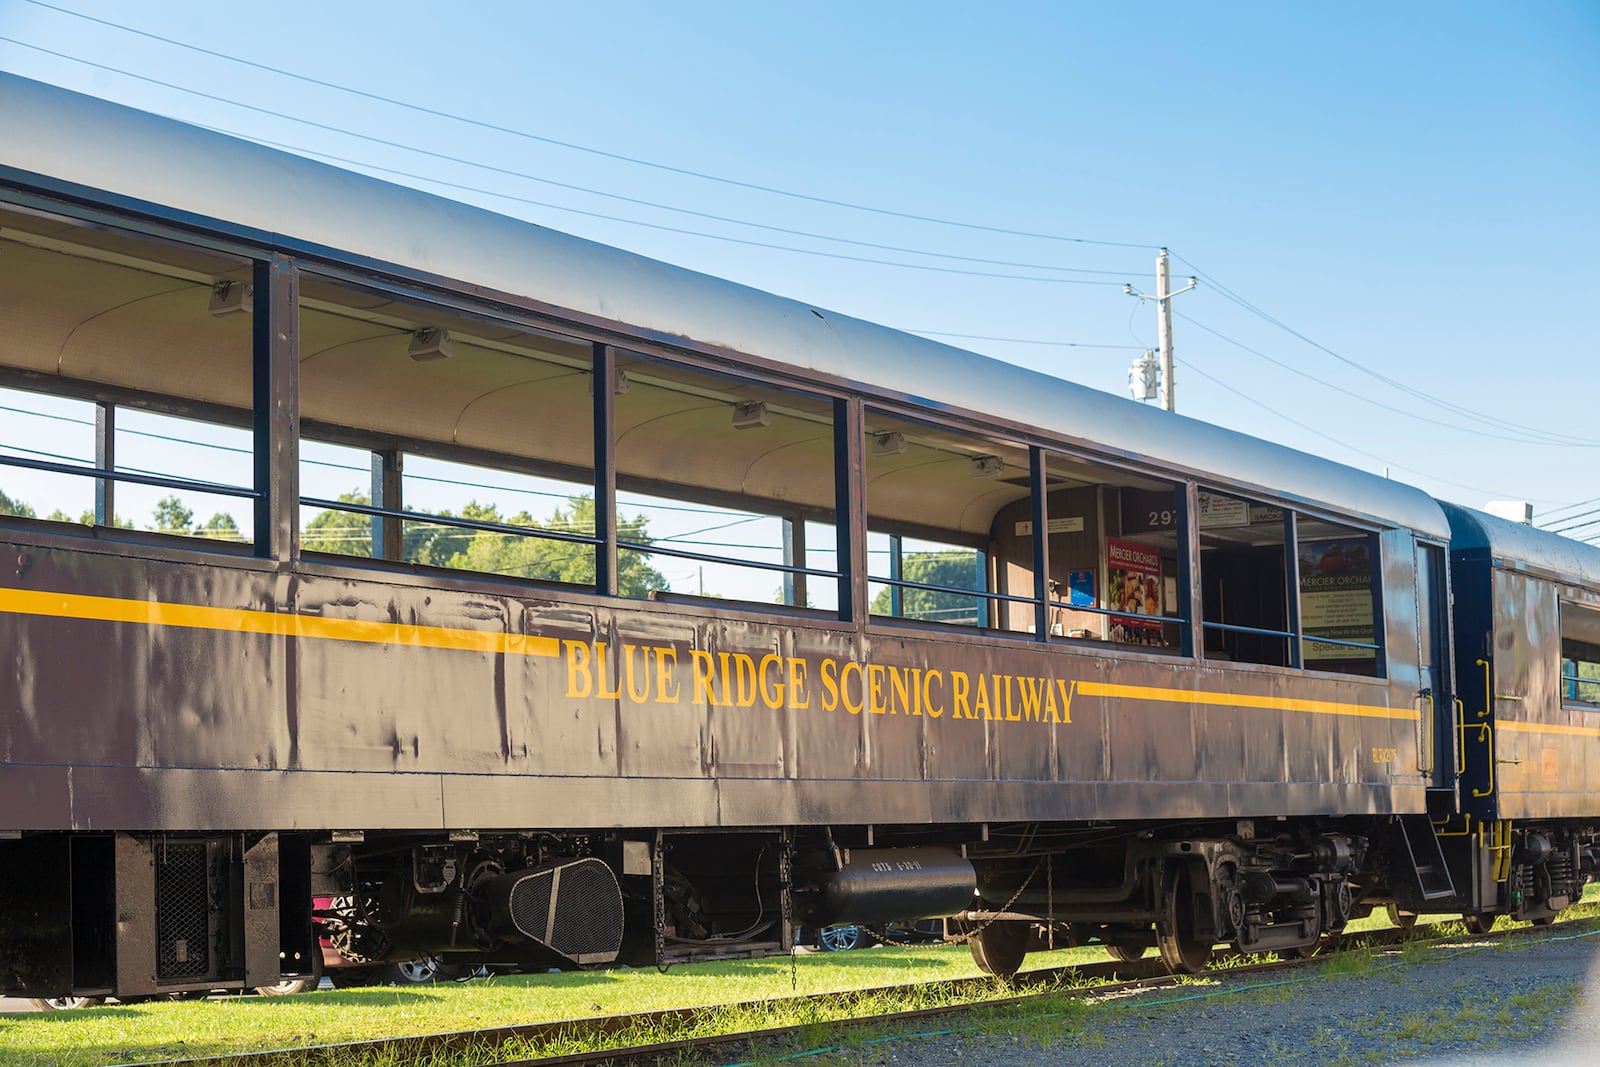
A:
x: 1034, y: 985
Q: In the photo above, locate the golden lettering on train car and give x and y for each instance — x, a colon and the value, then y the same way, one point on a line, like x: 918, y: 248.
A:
x: 980, y: 702
x: 705, y: 670
x: 1011, y: 715
x: 798, y: 697
x: 638, y: 680
x: 578, y: 669
x: 934, y: 710
x: 744, y: 679
x: 861, y: 687
x: 830, y: 684
x: 877, y: 694
x: 960, y: 685
x: 1030, y: 692
x: 1068, y: 690
x: 771, y: 695
x: 666, y: 668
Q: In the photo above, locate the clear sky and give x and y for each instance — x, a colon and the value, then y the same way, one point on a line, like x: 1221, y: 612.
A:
x: 1391, y: 207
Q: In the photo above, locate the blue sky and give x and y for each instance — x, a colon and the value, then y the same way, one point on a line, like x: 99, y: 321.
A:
x: 1409, y: 187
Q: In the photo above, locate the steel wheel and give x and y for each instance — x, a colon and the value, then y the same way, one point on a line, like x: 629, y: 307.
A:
x: 1125, y: 953
x: 1404, y: 920
x: 1000, y: 947
x: 841, y: 938
x: 1479, y: 923
x: 1181, y: 948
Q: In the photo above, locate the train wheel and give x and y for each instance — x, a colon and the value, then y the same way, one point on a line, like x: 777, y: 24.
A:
x: 1543, y: 921
x: 1402, y: 920
x: 1125, y: 953
x: 1183, y: 951
x: 1000, y: 947
x: 1479, y: 923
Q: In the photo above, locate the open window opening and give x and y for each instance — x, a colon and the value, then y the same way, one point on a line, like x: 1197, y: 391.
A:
x: 1114, y: 552
x: 725, y: 488
x: 933, y: 495
x: 92, y: 310
x: 472, y: 444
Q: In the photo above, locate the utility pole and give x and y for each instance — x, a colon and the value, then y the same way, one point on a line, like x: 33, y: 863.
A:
x: 1163, y: 299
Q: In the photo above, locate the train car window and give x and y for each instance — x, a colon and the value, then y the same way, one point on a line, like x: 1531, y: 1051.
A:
x: 1338, y: 594
x: 933, y: 495
x: 116, y: 314
x: 722, y: 483
x: 478, y: 438
x: 1244, y: 580
x: 1113, y: 550
x: 1580, y: 655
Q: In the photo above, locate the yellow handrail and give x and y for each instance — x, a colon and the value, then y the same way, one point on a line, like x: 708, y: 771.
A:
x: 1461, y: 736
x: 1488, y: 690
x: 1486, y: 733
x: 1466, y: 827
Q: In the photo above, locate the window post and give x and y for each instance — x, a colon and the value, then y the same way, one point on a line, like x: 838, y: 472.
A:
x: 275, y: 341
x: 605, y: 469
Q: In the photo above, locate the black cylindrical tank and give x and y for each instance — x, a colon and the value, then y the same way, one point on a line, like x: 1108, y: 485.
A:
x: 878, y: 885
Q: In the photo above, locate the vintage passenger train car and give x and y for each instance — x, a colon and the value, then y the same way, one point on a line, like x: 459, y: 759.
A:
x: 990, y: 645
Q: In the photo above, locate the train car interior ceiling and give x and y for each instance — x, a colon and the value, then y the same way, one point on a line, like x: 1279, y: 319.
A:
x: 441, y: 436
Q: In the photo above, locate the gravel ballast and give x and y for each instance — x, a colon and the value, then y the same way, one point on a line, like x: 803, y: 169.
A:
x: 1532, y: 998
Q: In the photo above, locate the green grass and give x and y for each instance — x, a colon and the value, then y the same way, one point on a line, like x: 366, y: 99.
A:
x: 167, y: 1030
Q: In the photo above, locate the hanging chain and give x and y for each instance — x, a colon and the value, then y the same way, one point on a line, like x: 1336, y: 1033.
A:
x: 961, y: 939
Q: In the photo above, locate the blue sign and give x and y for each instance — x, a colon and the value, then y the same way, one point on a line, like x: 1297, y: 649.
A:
x: 1080, y: 589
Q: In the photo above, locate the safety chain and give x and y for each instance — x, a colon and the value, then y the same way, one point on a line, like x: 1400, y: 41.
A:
x: 961, y: 939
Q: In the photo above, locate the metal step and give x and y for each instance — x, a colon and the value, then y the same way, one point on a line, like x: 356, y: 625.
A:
x: 1426, y: 859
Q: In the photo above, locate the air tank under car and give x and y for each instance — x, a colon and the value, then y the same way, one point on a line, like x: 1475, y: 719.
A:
x: 876, y: 885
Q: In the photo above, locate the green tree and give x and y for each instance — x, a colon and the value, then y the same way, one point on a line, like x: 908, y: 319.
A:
x: 222, y: 527
x: 343, y: 532
x: 172, y: 517
x: 954, y: 568
x: 552, y: 560
x: 87, y: 518
x: 8, y: 506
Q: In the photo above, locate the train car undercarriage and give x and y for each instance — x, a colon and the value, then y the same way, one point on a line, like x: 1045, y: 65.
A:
x: 149, y: 914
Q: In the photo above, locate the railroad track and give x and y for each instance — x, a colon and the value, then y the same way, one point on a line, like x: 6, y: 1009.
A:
x: 1097, y: 979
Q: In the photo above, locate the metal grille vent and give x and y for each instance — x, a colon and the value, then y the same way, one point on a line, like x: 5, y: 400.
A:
x: 574, y: 907
x: 182, y: 912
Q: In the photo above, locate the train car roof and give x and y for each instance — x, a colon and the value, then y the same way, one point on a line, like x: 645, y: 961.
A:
x: 1522, y: 547
x: 191, y: 175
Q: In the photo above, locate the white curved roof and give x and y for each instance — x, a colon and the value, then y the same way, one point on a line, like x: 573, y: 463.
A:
x: 300, y: 205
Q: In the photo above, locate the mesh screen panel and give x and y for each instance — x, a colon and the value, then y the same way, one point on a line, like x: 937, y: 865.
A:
x: 588, y: 909
x: 182, y: 912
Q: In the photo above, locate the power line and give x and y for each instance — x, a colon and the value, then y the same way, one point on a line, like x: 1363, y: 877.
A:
x: 320, y: 154
x: 1017, y: 340
x: 1418, y: 394
x: 480, y: 124
x: 1328, y: 437
x: 1291, y: 368
x: 508, y: 172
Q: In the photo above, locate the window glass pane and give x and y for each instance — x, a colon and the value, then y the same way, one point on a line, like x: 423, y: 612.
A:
x: 726, y: 487
x: 928, y: 564
x: 1338, y: 597
x: 1580, y: 654
x: 1242, y: 579
x: 339, y: 473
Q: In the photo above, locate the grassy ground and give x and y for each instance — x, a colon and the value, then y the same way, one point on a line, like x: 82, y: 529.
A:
x: 165, y: 1030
